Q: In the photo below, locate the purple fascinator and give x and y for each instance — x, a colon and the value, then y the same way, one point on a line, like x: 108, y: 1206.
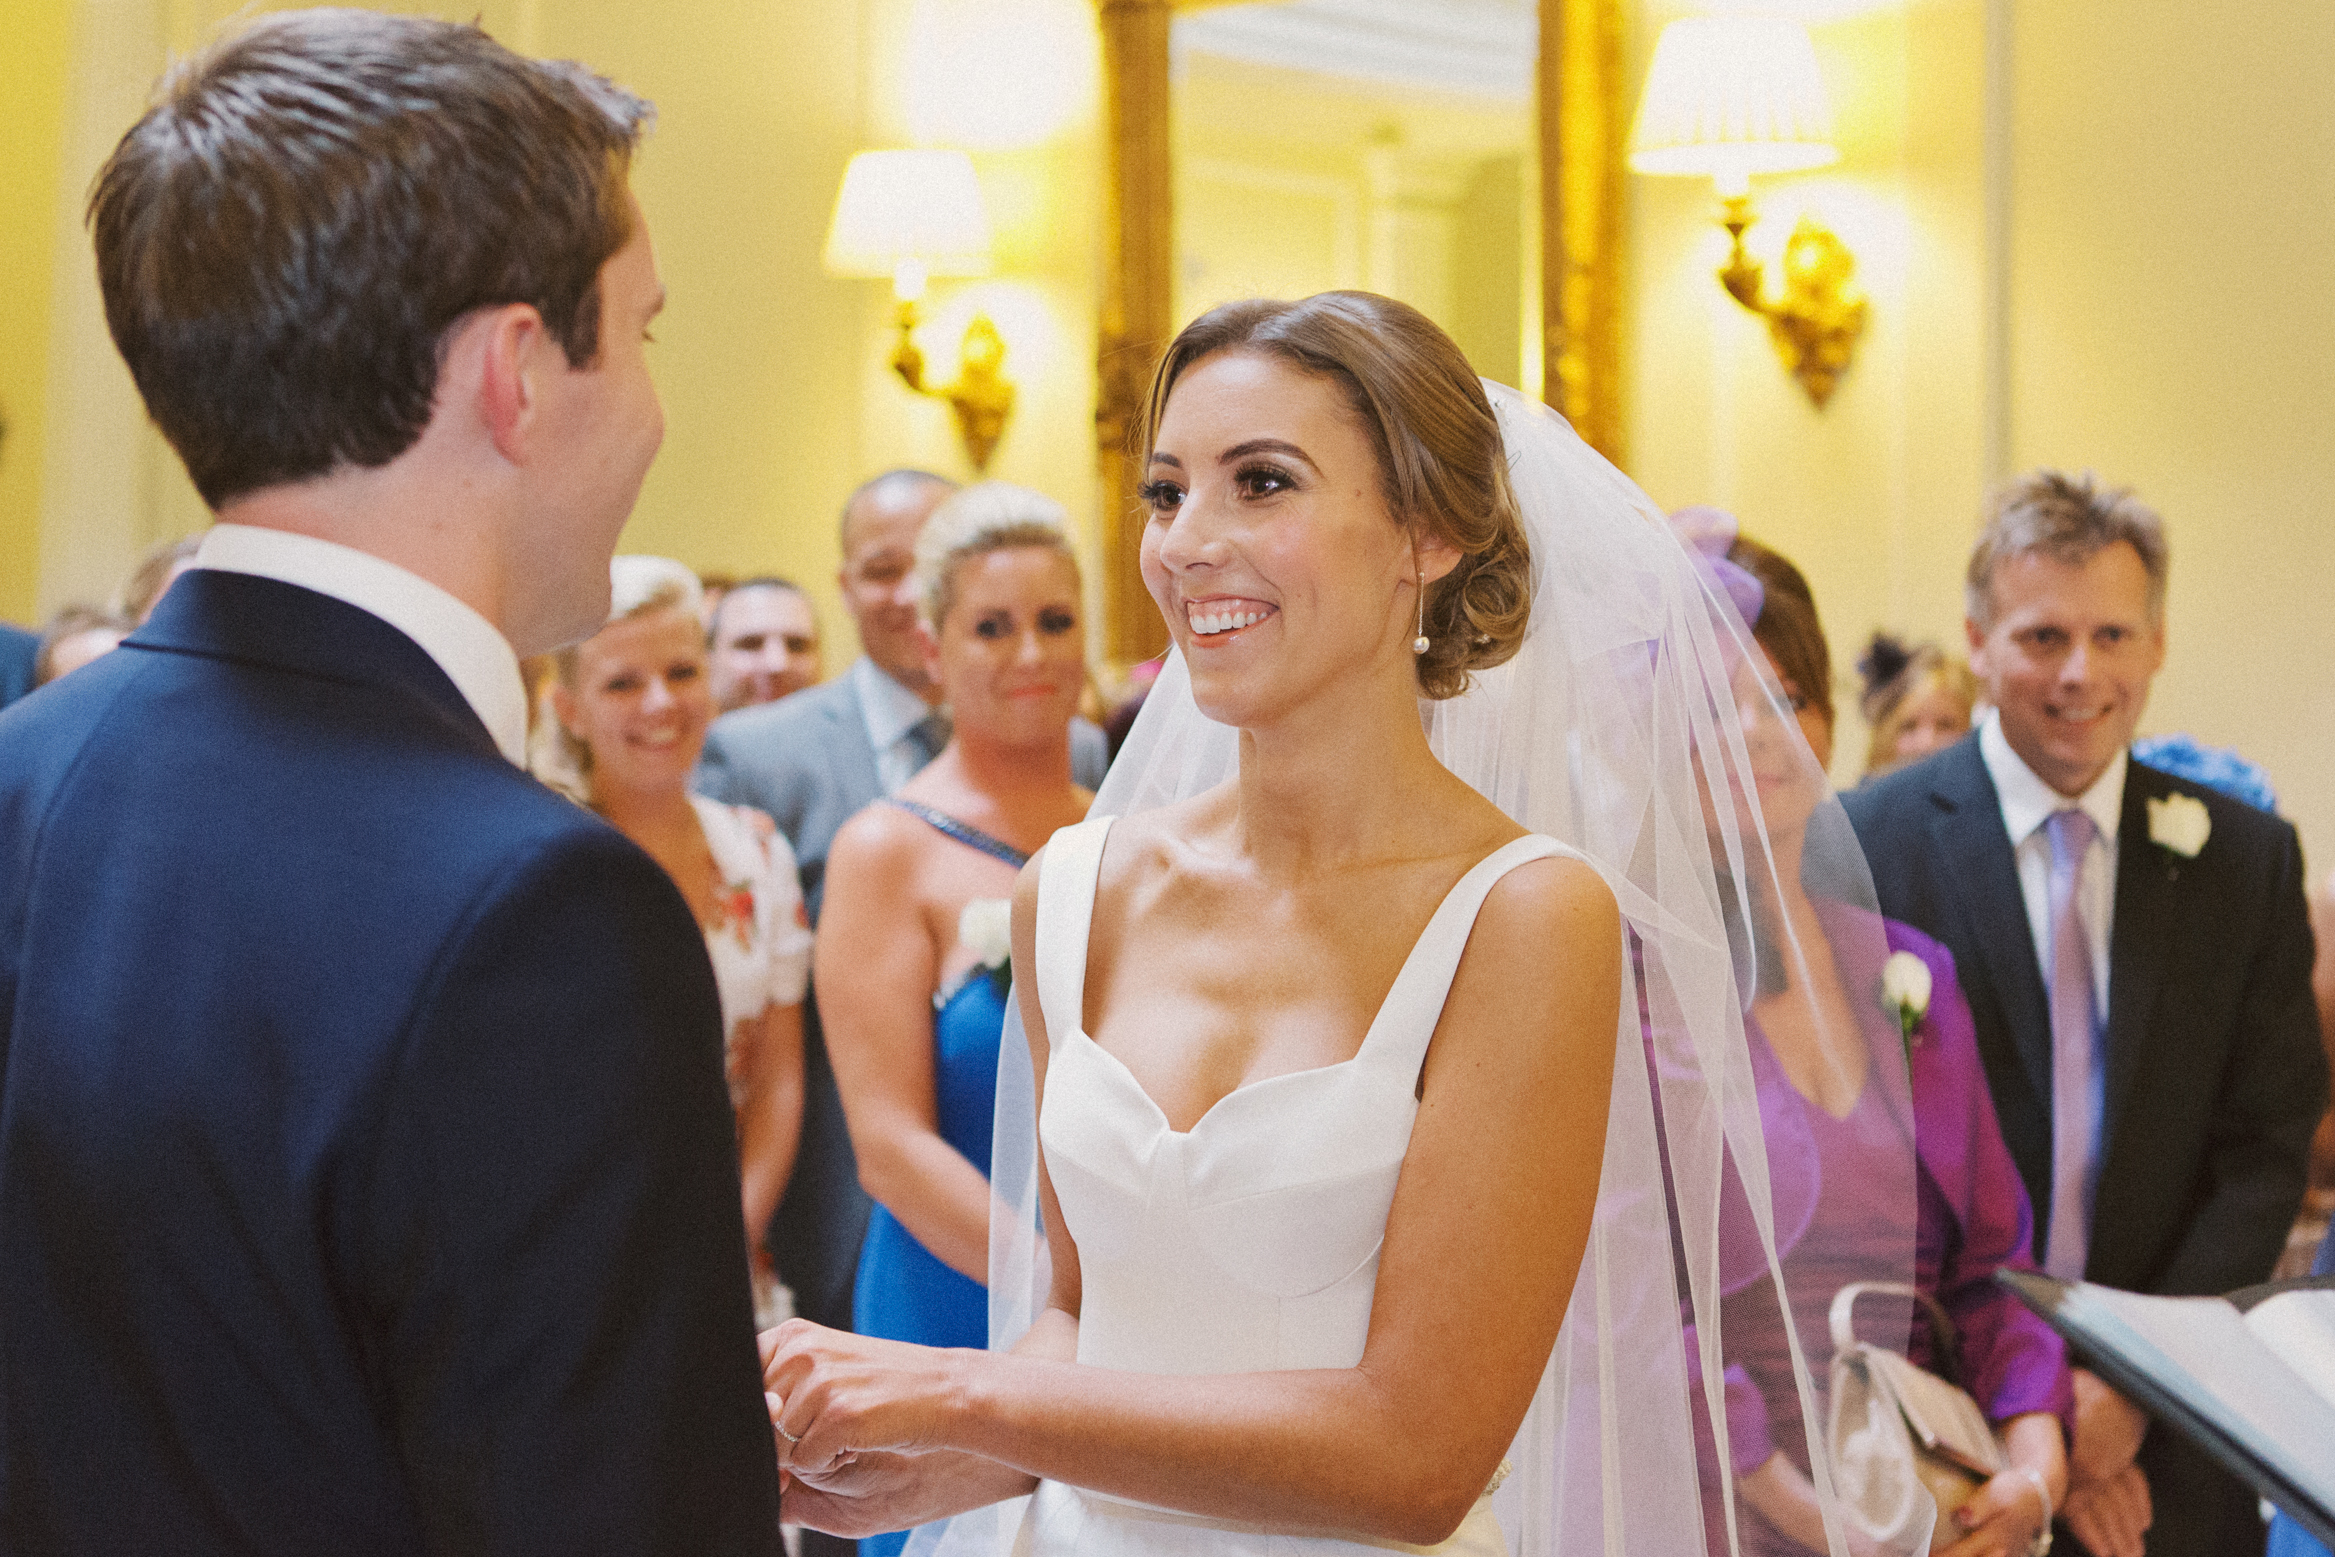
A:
x: 1706, y: 534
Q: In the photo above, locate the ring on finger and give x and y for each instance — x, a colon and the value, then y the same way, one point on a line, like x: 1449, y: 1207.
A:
x: 792, y: 1441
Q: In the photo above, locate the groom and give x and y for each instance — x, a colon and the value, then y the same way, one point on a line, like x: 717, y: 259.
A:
x: 367, y: 1182
x: 2137, y: 958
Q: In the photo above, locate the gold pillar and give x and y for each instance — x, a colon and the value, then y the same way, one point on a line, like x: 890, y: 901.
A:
x: 1138, y: 303
x: 1582, y: 130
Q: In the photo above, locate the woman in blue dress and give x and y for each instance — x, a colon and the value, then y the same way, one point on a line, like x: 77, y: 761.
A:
x: 913, y: 943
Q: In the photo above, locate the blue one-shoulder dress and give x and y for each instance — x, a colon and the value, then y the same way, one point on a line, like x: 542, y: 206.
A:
x: 904, y: 1293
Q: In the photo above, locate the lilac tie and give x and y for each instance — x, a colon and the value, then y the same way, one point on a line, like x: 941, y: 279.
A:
x: 2075, y: 1031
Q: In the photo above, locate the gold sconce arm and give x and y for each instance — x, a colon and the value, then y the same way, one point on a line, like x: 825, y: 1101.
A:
x: 982, y: 397
x: 1817, y: 321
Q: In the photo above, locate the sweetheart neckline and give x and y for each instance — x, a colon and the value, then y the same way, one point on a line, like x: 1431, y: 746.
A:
x: 1075, y: 996
x: 1209, y: 1112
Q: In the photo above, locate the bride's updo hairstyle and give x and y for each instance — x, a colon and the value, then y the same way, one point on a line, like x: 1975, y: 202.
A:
x: 1440, y: 460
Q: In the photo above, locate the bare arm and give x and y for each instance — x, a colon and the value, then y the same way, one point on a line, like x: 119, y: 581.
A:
x: 769, y: 1057
x: 1509, y: 1136
x: 867, y: 1493
x: 875, y: 965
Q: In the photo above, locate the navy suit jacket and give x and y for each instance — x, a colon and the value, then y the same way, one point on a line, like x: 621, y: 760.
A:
x: 367, y: 1181
x: 18, y: 650
x: 2215, y: 1075
x: 806, y: 762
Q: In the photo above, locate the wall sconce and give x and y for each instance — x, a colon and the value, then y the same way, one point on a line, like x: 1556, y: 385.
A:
x: 907, y: 216
x: 1728, y: 97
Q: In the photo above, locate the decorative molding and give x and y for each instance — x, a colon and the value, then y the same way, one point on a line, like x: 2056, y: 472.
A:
x: 1483, y: 48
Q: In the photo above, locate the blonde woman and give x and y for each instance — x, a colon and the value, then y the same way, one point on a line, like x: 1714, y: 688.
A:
x: 1917, y: 700
x: 630, y: 706
x: 912, y: 965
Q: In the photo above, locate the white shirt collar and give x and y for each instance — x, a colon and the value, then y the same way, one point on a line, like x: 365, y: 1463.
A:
x: 475, y: 657
x: 2028, y: 801
x: 890, y: 709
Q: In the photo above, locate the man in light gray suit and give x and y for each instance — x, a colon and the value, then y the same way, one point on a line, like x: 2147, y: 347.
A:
x: 810, y: 760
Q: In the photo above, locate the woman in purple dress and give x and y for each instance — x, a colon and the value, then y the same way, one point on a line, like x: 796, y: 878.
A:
x: 1842, y: 1070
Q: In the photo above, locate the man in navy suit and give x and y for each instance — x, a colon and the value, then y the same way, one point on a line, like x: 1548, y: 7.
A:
x: 2137, y: 957
x: 366, y: 1173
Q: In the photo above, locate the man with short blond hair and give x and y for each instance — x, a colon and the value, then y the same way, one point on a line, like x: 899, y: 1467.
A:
x: 2137, y: 957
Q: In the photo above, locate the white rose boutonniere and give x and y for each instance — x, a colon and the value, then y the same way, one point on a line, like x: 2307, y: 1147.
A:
x: 985, y: 928
x: 2179, y: 824
x: 1905, y: 994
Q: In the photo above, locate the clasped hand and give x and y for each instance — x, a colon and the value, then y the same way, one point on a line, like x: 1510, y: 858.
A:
x: 835, y: 1396
x: 857, y: 1424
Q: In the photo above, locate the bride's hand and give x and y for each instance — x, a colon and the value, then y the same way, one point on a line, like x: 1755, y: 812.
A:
x: 844, y: 1394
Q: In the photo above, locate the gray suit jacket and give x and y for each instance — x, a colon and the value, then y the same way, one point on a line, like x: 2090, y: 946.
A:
x: 806, y: 761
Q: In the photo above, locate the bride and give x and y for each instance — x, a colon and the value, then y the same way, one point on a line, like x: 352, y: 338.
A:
x: 1350, y: 1087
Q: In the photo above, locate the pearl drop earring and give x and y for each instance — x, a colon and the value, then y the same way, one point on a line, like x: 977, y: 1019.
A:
x: 1420, y: 645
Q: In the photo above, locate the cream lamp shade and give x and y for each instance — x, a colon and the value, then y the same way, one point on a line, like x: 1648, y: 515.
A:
x: 907, y: 215
x: 1732, y: 96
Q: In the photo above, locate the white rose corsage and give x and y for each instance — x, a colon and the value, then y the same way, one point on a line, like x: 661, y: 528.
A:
x: 1905, y: 994
x: 2179, y: 824
x: 985, y: 928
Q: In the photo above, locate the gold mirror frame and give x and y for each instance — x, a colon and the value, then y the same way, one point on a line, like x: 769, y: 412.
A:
x: 1582, y: 121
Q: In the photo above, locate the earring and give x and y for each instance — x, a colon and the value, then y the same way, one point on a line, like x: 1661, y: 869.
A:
x: 1420, y: 645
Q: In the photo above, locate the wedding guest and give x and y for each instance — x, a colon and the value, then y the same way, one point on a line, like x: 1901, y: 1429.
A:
x: 1826, y: 1047
x: 155, y: 572
x: 1917, y: 702
x: 630, y: 706
x: 762, y: 637
x: 811, y: 761
x: 914, y: 939
x: 74, y: 637
x: 2137, y: 958
x: 367, y: 1167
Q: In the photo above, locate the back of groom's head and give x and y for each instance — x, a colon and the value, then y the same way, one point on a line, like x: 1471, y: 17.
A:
x: 286, y: 238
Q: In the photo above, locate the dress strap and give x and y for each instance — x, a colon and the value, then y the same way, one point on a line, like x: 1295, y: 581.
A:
x: 1399, y: 1034
x: 963, y: 832
x: 1066, y: 912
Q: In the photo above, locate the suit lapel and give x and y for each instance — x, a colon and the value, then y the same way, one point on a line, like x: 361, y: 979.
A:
x: 1968, y: 833
x: 2146, y: 888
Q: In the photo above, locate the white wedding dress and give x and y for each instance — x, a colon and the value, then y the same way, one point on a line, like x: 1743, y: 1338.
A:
x: 1247, y: 1243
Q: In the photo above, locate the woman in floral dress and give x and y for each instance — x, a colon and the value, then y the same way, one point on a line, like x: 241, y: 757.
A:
x: 629, y: 708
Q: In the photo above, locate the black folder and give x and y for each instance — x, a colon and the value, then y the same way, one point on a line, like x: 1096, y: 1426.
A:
x: 2207, y: 1377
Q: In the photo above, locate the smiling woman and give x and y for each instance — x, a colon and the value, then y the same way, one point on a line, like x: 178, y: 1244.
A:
x: 912, y: 987
x: 629, y: 707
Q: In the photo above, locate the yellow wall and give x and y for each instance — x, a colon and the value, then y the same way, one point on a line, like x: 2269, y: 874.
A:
x: 2154, y: 301
x: 2172, y: 313
x: 777, y: 395
x: 2159, y: 282
x: 32, y: 120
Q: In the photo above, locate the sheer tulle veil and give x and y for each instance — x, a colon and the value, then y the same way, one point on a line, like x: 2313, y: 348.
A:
x: 1628, y: 725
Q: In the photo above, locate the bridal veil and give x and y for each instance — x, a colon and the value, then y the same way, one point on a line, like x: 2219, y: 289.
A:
x: 1624, y: 726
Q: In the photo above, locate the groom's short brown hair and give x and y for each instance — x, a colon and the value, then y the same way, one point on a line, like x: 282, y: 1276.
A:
x: 285, y: 238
